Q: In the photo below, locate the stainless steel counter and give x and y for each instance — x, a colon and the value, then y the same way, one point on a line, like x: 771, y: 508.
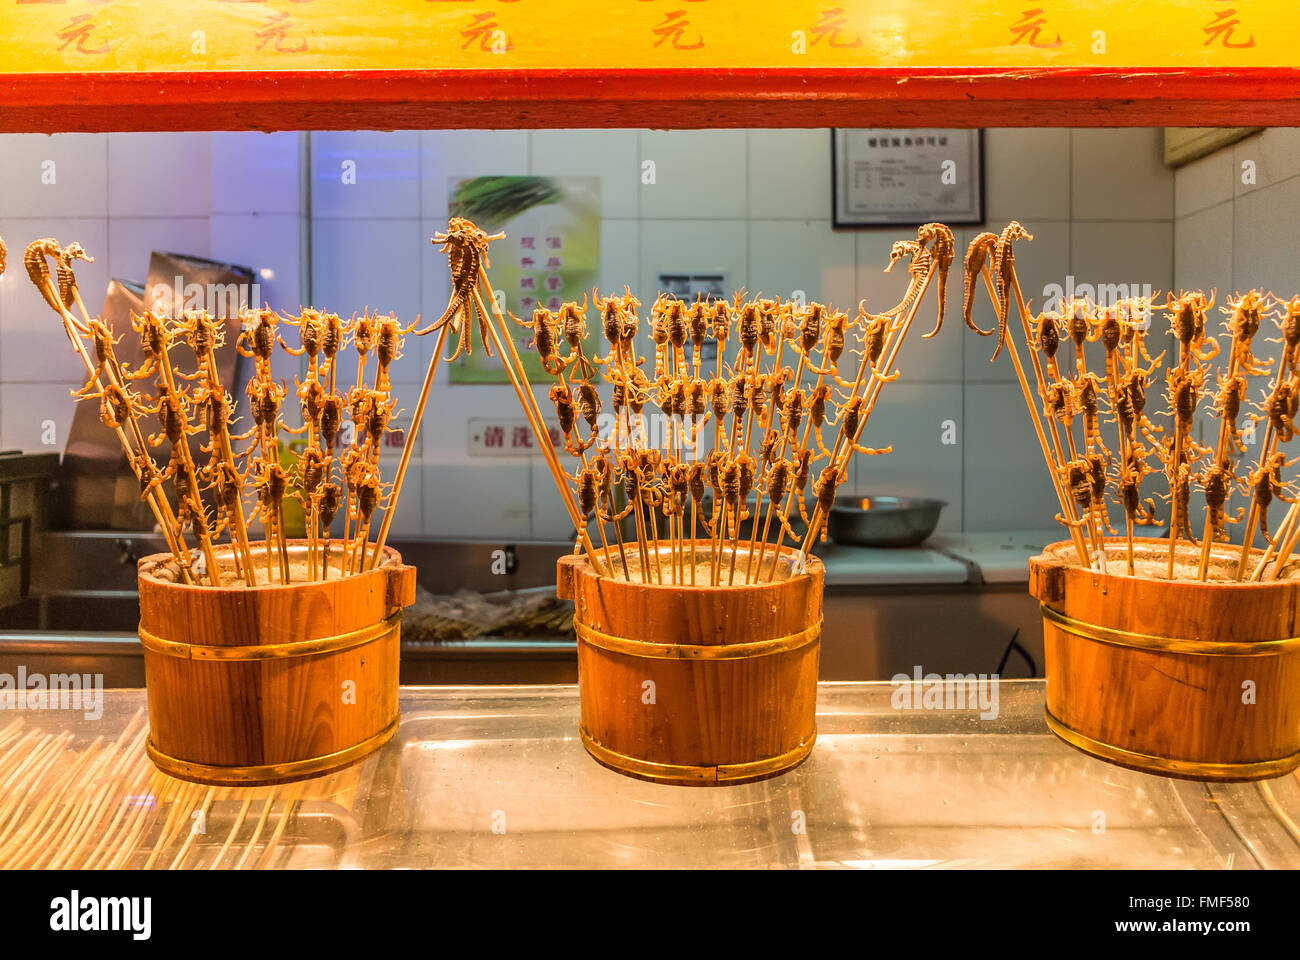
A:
x: 496, y: 777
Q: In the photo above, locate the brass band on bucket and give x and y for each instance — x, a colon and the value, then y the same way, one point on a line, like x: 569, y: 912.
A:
x: 1154, y: 643
x: 272, y: 651
x: 685, y: 774
x: 1167, y: 766
x: 687, y: 651
x: 268, y: 773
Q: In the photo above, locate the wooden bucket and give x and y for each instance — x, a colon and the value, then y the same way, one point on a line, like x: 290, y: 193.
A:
x: 272, y: 683
x: 1189, y: 679
x: 701, y: 686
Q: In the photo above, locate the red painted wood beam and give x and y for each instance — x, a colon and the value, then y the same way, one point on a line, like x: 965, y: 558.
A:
x: 681, y: 98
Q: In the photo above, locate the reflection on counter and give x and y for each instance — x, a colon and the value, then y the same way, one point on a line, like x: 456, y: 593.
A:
x: 497, y: 777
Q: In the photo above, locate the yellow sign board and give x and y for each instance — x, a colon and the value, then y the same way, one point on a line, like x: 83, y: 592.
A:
x: 61, y: 36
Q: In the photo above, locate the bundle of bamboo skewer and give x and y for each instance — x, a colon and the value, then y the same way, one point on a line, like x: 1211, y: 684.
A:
x: 751, y: 423
x: 1088, y: 476
x: 77, y: 805
x: 210, y: 498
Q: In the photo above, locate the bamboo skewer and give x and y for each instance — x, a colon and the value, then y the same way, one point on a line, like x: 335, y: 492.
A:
x: 408, y: 446
x: 524, y: 393
x: 1054, y: 466
x: 890, y: 353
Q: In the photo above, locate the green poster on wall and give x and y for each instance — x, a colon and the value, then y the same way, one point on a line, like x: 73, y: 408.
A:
x: 550, y: 254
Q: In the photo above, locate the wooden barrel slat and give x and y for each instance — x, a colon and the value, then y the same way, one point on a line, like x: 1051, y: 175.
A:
x: 715, y: 719
x: 278, y: 713
x: 1173, y: 699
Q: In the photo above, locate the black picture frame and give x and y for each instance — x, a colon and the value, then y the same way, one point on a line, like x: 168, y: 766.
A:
x: 952, y: 217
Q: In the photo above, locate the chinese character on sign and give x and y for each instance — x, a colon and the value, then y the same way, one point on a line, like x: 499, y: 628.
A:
x: 494, y: 436
x: 527, y: 304
x: 554, y: 263
x: 673, y: 28
x: 395, y: 437
x: 527, y: 283
x: 528, y: 243
x: 829, y: 26
x: 521, y: 437
x: 78, y: 31
x: 1221, y: 27
x: 554, y: 243
x: 553, y: 303
x: 485, y: 29
x: 554, y: 283
x: 527, y: 263
x: 1029, y: 27
x: 277, y: 28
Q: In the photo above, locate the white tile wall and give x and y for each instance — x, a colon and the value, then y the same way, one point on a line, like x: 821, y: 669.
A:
x: 1120, y: 175
x: 365, y: 174
x: 754, y: 203
x: 159, y: 175
x: 257, y: 172
x: 1026, y: 175
x: 1275, y: 154
x: 1264, y: 238
x: 671, y: 246
x: 131, y: 240
x: 806, y: 256
x: 697, y: 174
x: 790, y: 174
x: 1204, y: 183
x: 64, y: 175
x: 1201, y: 260
x: 914, y: 418
x: 1005, y: 484
x: 28, y: 410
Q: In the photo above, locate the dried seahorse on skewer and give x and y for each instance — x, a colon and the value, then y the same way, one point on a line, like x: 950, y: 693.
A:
x: 918, y: 267
x: 466, y: 247
x: 939, y: 240
x: 1004, y: 260
x: 976, y: 255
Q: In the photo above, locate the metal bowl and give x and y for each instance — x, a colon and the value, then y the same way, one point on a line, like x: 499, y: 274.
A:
x: 883, y: 521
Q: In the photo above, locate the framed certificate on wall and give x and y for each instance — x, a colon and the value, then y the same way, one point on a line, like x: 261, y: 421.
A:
x: 892, y: 177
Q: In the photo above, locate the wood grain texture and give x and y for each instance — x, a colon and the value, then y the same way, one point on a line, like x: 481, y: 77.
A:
x: 1186, y: 705
x: 273, y: 711
x: 706, y: 713
x: 661, y: 98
